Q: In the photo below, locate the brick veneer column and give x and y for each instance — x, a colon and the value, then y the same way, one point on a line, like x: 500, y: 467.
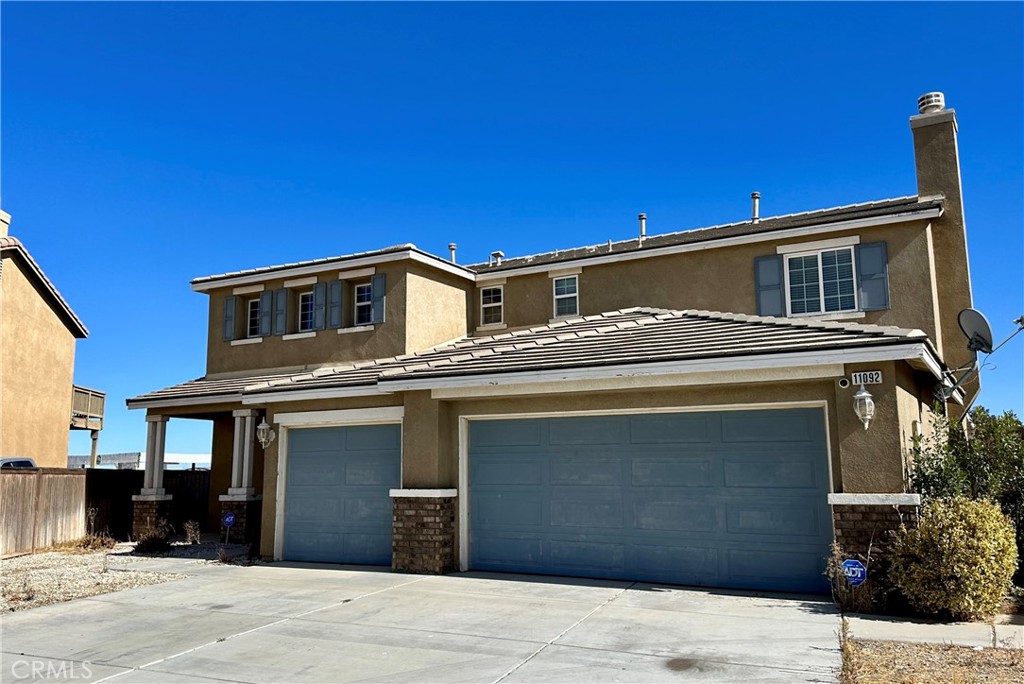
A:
x: 147, y: 512
x: 423, y: 530
x: 248, y: 514
x: 866, y: 522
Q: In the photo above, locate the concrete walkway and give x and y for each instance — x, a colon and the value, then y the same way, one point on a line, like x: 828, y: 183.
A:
x: 1006, y: 632
x: 317, y: 623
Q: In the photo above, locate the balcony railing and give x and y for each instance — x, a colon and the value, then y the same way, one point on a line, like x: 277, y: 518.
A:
x: 87, y: 408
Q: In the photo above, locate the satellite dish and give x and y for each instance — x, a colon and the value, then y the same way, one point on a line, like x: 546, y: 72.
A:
x: 977, y: 330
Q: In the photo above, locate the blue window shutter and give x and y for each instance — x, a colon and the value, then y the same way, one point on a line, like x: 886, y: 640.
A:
x: 319, y: 305
x: 768, y: 282
x: 266, y: 312
x: 873, y: 276
x: 334, y: 308
x: 280, y: 312
x: 229, y: 317
x: 377, y: 286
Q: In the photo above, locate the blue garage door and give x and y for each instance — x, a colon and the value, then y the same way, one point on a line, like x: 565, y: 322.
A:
x: 724, y: 499
x: 337, y: 508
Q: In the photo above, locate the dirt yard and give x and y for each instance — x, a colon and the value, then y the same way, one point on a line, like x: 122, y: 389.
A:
x: 44, y: 578
x: 883, y: 662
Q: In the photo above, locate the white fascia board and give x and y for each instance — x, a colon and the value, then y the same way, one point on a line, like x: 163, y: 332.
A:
x: 715, y: 244
x: 310, y: 269
x: 729, y: 364
x: 641, y: 382
x: 380, y: 415
x: 310, y: 394
x: 184, y: 401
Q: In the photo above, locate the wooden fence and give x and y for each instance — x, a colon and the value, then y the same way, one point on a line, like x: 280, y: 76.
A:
x: 110, y: 493
x: 40, y: 507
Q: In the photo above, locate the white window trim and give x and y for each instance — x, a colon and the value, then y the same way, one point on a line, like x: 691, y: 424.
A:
x: 357, y: 273
x: 355, y: 329
x: 821, y: 285
x: 356, y: 304
x: 500, y: 305
x: 248, y: 319
x: 246, y: 340
x: 298, y: 325
x: 564, y: 272
x: 247, y: 289
x: 491, y: 327
x: 300, y: 282
x: 819, y: 245
x: 299, y: 335
x: 555, y: 297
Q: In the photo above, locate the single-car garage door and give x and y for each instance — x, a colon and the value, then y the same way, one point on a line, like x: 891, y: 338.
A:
x: 337, y: 508
x: 724, y: 498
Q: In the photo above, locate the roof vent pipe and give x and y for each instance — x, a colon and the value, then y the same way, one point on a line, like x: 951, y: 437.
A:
x: 755, y: 211
x: 643, y: 227
x: 451, y: 251
x: 496, y: 258
x: 931, y: 102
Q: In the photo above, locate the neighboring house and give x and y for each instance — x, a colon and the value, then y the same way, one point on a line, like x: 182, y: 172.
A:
x: 130, y: 460
x: 39, y: 402
x: 674, y: 407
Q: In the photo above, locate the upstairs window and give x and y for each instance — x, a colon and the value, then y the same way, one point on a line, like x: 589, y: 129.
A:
x: 252, y: 328
x: 566, y: 296
x: 306, y: 312
x: 363, y: 304
x: 832, y: 279
x: 491, y: 306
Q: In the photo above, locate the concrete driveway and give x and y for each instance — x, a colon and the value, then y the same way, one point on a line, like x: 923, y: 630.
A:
x: 317, y: 623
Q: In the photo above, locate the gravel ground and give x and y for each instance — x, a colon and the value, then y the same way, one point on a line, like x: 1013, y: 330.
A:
x: 45, y: 578
x: 896, y: 662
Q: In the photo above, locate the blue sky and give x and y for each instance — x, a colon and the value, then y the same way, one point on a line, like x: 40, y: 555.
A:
x: 146, y: 144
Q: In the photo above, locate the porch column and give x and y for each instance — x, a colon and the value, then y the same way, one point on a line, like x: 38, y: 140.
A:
x: 152, y: 505
x: 242, y: 501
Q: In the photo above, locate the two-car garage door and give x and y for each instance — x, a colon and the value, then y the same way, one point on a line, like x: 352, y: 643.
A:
x: 726, y: 498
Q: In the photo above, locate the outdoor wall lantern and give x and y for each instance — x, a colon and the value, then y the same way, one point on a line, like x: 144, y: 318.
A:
x: 864, y: 406
x: 265, y: 435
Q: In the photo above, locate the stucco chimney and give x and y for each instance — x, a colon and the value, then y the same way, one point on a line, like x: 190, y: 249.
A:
x: 937, y: 158
x: 5, y: 223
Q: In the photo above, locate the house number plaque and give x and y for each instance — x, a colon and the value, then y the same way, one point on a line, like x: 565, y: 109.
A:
x: 866, y: 378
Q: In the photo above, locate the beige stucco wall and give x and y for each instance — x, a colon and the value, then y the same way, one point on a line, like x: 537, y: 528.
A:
x: 37, y: 359
x: 722, y: 279
x: 861, y: 461
x: 423, y: 307
x: 435, y: 307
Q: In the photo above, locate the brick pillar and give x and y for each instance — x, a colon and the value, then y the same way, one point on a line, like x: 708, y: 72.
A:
x: 148, y: 511
x: 866, y: 522
x: 423, y: 532
x: 248, y: 514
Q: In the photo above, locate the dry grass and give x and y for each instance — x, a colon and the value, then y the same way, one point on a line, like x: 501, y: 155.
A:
x: 897, y: 662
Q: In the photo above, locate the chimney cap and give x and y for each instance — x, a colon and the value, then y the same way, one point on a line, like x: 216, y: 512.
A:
x: 928, y: 103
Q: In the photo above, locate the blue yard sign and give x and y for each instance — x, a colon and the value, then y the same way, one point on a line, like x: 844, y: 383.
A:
x: 229, y: 519
x: 855, y: 572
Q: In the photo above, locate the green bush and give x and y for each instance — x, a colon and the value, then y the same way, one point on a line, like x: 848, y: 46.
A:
x: 988, y: 463
x: 960, y: 560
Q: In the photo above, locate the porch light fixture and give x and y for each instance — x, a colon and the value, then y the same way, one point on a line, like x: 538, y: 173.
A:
x: 265, y: 435
x: 864, y: 406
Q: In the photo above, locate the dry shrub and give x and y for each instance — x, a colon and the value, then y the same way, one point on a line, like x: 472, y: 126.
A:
x: 90, y: 543
x: 224, y: 556
x: 191, y: 532
x: 960, y: 560
x: 156, y: 540
x: 848, y: 598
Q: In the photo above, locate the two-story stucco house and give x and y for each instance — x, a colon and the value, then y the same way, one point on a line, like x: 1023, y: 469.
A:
x: 39, y: 403
x: 675, y: 407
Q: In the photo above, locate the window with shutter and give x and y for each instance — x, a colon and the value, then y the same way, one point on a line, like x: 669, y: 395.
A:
x: 377, y: 296
x: 229, y: 318
x: 363, y: 297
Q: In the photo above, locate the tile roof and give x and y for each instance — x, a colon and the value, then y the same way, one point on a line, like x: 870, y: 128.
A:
x: 629, y: 336
x: 11, y: 245
x: 850, y: 212
x: 326, y: 261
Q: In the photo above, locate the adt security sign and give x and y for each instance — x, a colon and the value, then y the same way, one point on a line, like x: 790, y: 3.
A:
x: 229, y: 519
x: 855, y: 572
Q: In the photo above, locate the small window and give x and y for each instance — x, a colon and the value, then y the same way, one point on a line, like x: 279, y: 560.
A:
x: 364, y: 304
x: 491, y: 307
x: 306, y: 311
x: 566, y: 297
x: 821, y: 282
x: 253, y: 321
